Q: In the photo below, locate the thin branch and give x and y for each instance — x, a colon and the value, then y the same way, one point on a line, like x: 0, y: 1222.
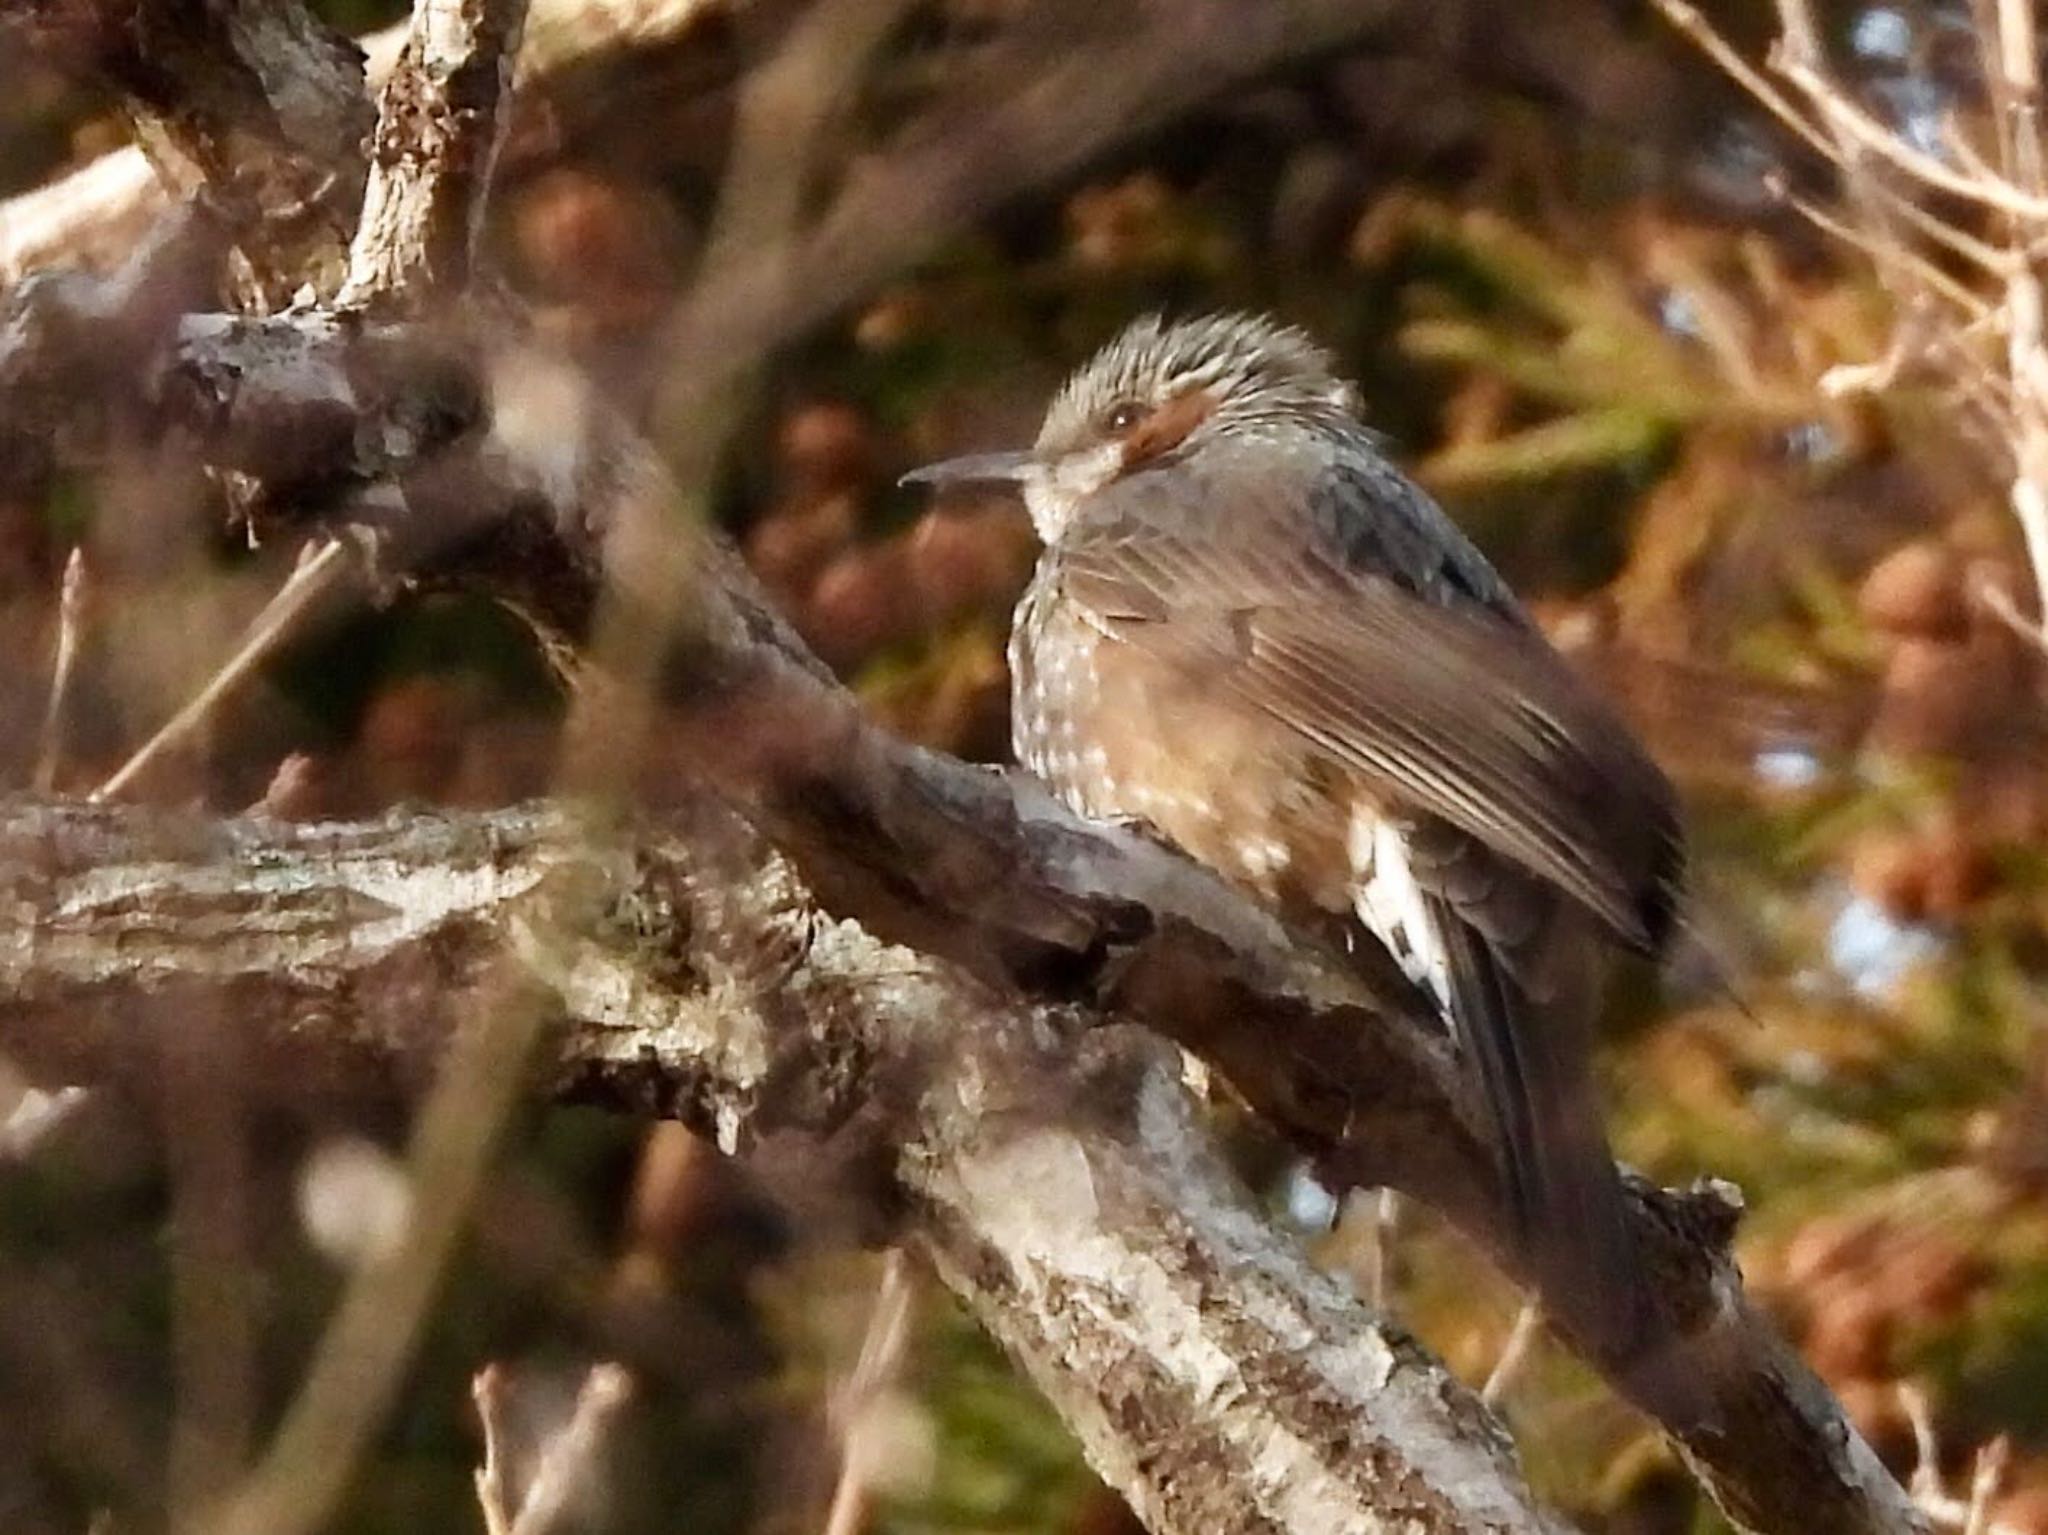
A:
x: 1991, y: 260
x: 874, y: 1376
x: 1802, y: 39
x: 2019, y: 79
x: 567, y: 1461
x: 1701, y: 34
x: 70, y: 622
x: 1860, y: 128
x: 1513, y: 1354
x: 487, y: 1390
x: 1888, y: 255
x: 1970, y: 1515
x: 1987, y: 1478
x: 313, y: 580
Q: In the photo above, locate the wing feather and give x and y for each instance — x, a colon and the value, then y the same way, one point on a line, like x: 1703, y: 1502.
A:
x: 1459, y: 712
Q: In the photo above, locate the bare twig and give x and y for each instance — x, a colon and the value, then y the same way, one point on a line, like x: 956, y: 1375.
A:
x: 70, y: 622
x: 1695, y: 27
x: 1987, y: 1477
x: 318, y: 575
x: 2027, y: 361
x: 487, y: 1390
x: 565, y: 1463
x: 2018, y: 78
x: 1970, y: 1515
x: 1925, y: 1482
x: 1513, y: 1354
x: 1886, y: 254
x: 1858, y: 127
x: 874, y: 1374
x: 1801, y: 42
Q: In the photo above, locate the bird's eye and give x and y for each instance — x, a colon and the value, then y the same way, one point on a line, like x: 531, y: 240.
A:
x: 1123, y: 415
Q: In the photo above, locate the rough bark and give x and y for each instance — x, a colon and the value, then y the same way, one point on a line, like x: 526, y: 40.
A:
x: 440, y: 121
x: 93, y: 216
x: 256, y: 102
x: 1057, y: 1174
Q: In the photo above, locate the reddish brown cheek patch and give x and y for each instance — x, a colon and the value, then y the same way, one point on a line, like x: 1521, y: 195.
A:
x: 1167, y: 427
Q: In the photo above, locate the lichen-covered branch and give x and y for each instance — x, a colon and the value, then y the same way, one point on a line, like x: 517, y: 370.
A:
x: 440, y: 120
x: 1057, y: 1174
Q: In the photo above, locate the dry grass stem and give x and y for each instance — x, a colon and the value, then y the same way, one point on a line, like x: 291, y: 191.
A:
x: 70, y: 623
x: 487, y: 1390
x: 1513, y: 1354
x: 875, y: 1372
x: 316, y: 578
x: 564, y: 1462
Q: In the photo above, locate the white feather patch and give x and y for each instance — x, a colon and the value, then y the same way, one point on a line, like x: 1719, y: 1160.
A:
x: 1389, y: 902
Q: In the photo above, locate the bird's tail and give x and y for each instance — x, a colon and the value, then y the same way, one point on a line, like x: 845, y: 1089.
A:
x: 1523, y: 1013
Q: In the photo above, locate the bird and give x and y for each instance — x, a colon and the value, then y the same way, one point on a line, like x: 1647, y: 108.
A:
x: 1249, y: 631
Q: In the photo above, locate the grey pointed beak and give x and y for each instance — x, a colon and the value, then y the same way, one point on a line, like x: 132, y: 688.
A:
x: 974, y: 469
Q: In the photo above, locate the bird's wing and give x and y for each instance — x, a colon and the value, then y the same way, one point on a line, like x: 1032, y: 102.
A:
x: 1460, y: 713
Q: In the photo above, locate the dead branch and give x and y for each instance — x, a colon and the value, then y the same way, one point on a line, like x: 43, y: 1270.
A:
x: 96, y: 214
x: 1030, y: 1157
x: 441, y: 119
x: 255, y: 101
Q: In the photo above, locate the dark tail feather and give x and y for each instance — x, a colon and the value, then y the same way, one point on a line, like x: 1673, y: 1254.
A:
x: 1564, y: 1193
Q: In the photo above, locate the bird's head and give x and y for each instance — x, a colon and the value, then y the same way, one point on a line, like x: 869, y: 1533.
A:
x: 1155, y: 393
